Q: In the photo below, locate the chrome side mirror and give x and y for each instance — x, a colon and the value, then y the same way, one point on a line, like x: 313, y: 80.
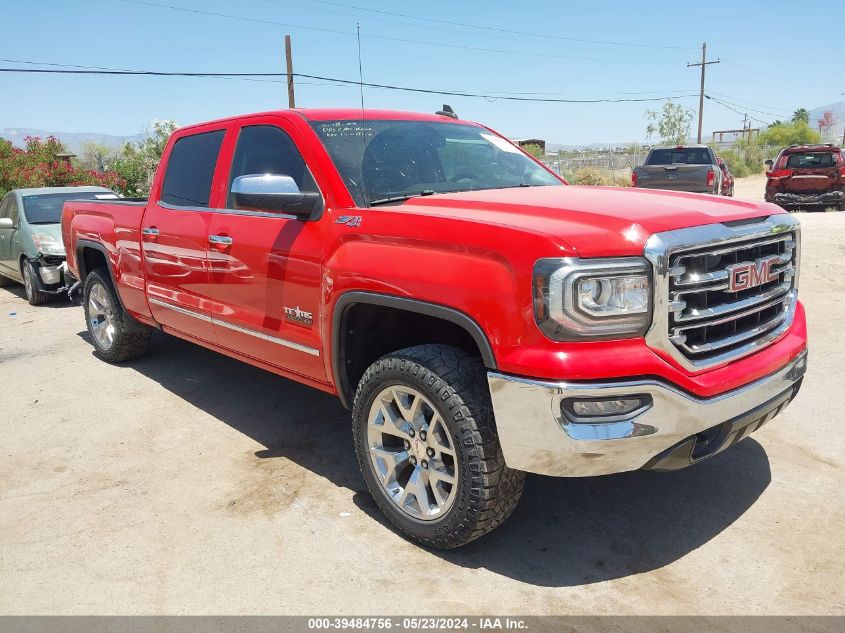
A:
x: 6, y: 223
x: 274, y: 193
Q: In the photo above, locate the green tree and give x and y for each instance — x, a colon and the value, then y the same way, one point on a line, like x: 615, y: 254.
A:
x: 136, y: 162
x: 95, y: 155
x: 671, y: 125
x: 801, y: 114
x: 796, y: 132
x: 37, y: 164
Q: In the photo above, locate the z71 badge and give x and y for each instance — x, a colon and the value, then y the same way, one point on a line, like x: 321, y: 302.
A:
x: 300, y: 317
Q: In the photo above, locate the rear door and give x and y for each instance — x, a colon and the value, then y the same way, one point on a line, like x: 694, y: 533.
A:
x: 266, y: 268
x: 174, y: 234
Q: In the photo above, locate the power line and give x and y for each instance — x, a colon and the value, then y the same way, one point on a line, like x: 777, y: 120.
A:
x: 497, y: 30
x: 777, y: 111
x: 336, y: 80
x: 722, y: 103
x: 745, y: 107
x: 388, y: 38
x: 255, y: 77
x: 775, y: 77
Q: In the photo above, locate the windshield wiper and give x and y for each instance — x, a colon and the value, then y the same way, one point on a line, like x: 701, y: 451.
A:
x: 402, y: 198
x: 522, y: 184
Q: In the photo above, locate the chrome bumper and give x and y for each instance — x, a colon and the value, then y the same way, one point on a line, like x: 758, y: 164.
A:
x: 537, y: 437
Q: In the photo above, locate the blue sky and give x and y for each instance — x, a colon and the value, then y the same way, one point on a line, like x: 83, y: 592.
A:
x: 764, y: 69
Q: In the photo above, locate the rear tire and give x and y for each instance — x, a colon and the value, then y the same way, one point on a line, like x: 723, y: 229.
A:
x: 32, y: 285
x: 115, y: 336
x: 427, y: 447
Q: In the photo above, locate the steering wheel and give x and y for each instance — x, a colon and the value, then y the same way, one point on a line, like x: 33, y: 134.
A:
x: 462, y: 176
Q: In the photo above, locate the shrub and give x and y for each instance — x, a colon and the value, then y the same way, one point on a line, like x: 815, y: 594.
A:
x: 38, y: 165
x: 599, y: 176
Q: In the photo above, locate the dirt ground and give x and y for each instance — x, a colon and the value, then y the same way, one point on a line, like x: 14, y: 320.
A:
x: 188, y: 483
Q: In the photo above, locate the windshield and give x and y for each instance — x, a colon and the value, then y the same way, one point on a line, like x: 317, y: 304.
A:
x: 679, y: 155
x: 389, y: 161
x: 46, y: 208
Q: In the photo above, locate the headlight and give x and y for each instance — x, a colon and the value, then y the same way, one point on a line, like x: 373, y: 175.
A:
x: 576, y: 299
x: 48, y: 245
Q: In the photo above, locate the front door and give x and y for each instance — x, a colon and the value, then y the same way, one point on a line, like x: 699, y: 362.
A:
x: 8, y: 209
x: 265, y: 268
x: 174, y: 236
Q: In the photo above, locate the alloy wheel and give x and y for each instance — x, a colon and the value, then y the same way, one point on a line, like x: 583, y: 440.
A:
x: 412, y: 454
x: 101, y: 316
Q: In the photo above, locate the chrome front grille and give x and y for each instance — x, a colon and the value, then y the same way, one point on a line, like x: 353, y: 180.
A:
x: 702, y: 321
x: 705, y: 317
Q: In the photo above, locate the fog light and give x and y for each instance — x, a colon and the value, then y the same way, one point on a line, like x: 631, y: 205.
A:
x: 598, y: 410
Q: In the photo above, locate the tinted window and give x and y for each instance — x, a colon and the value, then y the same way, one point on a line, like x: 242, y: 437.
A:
x: 190, y: 169
x: 811, y: 159
x: 47, y: 208
x: 265, y: 149
x: 682, y: 156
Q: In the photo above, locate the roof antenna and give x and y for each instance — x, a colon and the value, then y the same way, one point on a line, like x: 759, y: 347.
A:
x: 363, y: 125
x: 447, y: 111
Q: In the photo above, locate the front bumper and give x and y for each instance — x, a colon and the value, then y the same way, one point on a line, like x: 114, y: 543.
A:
x: 677, y: 430
x: 54, y: 275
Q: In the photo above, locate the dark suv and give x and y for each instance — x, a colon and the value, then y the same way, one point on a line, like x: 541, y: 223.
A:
x: 807, y: 176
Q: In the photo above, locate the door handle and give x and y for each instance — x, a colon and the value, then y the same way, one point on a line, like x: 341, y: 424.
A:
x: 150, y: 231
x: 223, y: 240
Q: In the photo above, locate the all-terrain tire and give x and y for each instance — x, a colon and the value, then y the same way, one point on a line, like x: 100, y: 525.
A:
x: 455, y: 383
x: 32, y: 285
x: 129, y: 339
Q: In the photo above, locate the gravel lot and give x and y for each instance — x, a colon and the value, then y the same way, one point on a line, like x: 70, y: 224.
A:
x: 187, y: 482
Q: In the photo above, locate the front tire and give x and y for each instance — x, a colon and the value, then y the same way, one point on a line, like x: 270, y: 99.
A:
x: 426, y: 443
x: 32, y: 285
x: 116, y: 338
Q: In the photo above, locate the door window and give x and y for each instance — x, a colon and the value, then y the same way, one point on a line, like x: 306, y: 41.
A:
x: 190, y: 169
x: 266, y: 149
x: 6, y: 207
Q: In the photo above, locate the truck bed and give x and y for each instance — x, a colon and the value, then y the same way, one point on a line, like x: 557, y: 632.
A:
x: 113, y: 229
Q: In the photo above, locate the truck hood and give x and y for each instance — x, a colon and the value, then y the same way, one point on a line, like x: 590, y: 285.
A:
x: 594, y: 221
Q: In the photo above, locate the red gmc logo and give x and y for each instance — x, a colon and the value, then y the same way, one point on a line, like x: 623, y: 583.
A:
x: 747, y: 275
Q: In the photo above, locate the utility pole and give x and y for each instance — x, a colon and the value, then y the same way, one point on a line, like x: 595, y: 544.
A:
x: 289, y: 60
x: 703, y: 63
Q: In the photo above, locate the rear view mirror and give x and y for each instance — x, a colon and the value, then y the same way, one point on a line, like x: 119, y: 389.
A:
x: 273, y: 193
x: 6, y: 223
x: 769, y: 162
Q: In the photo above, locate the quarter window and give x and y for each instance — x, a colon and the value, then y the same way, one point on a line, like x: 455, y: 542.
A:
x: 266, y: 149
x: 190, y: 169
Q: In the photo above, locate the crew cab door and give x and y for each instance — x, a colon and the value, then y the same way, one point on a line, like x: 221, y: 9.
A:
x: 174, y: 235
x: 266, y: 267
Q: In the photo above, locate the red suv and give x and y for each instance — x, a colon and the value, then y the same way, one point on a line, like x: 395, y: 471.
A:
x: 807, y: 176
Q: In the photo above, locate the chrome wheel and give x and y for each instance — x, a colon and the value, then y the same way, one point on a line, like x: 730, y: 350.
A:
x: 101, y: 316
x: 412, y: 455
x: 27, y: 280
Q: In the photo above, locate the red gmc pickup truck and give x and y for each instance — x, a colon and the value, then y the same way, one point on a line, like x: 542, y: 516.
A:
x: 481, y: 318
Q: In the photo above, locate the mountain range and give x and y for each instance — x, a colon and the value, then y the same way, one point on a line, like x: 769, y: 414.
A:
x: 74, y: 140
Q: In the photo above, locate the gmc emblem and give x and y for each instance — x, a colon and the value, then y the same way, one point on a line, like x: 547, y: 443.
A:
x: 747, y: 275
